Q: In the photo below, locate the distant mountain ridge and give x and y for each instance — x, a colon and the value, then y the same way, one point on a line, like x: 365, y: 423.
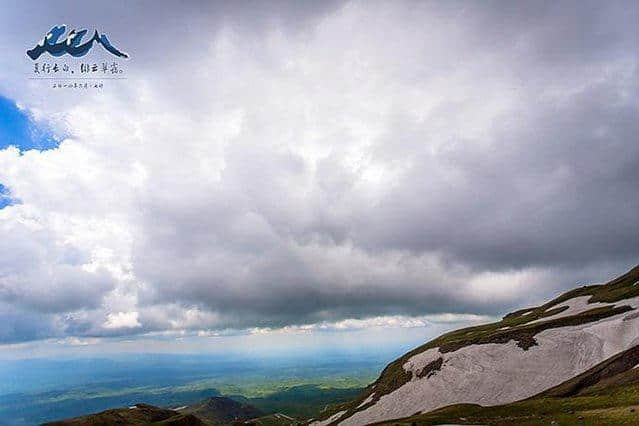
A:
x: 576, y: 341
x: 221, y: 411
x: 218, y: 411
x: 139, y: 414
x: 285, y: 407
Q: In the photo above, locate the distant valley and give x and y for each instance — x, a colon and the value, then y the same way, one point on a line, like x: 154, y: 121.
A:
x: 299, y: 387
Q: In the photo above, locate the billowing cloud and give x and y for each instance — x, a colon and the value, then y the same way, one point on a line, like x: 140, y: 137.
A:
x: 122, y: 320
x: 307, y: 168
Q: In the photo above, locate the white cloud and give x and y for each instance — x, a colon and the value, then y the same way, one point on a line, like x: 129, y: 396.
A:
x: 76, y: 341
x: 122, y: 320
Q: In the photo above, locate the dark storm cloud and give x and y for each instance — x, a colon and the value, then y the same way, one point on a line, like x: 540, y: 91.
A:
x: 382, y: 159
x: 18, y: 325
x: 552, y: 186
x: 559, y: 190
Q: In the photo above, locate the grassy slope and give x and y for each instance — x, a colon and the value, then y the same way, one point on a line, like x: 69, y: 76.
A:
x: 394, y: 375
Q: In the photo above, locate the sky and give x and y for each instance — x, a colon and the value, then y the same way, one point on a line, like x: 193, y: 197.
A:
x: 325, y: 169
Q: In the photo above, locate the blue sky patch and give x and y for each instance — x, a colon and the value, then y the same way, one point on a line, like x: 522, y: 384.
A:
x: 18, y: 129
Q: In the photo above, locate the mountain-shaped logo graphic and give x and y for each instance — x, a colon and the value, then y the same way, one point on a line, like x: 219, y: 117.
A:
x: 72, y: 44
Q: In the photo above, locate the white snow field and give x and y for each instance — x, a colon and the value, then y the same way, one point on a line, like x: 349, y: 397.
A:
x: 575, y: 306
x: 492, y: 374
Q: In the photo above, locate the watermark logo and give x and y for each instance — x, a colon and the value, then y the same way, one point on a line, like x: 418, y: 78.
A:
x: 72, y: 44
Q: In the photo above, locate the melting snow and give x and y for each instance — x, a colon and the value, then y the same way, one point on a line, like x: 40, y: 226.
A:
x: 284, y: 416
x: 329, y: 420
x: 367, y: 400
x: 492, y: 374
x: 576, y: 306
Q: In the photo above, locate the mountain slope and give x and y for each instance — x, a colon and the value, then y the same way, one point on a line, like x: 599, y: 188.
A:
x: 140, y: 414
x: 217, y: 411
x: 277, y: 419
x: 530, y: 351
x: 607, y: 394
x: 221, y: 411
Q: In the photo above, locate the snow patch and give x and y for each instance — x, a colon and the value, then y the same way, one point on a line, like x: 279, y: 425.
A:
x: 576, y: 306
x: 181, y: 408
x: 284, y: 416
x: 493, y: 374
x: 416, y: 363
x: 329, y: 420
x: 367, y: 400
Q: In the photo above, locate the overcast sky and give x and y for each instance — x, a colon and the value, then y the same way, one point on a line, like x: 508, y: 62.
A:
x: 307, y: 167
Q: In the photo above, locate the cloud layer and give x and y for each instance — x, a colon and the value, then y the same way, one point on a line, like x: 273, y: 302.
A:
x: 290, y: 166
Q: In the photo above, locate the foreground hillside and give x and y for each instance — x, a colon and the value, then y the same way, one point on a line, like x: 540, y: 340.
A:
x: 529, y: 352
